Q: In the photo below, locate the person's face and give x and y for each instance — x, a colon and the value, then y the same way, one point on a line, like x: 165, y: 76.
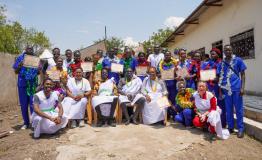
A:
x: 115, y: 50
x: 149, y: 50
x: 214, y: 55
x: 128, y: 53
x: 100, y: 53
x: 156, y: 49
x: 111, y: 53
x: 68, y: 55
x: 201, y: 88
x: 104, y: 74
x: 29, y: 51
x: 129, y: 73
x: 141, y: 57
x: 59, y: 62
x: 228, y: 51
x: 181, y: 88
x: 164, y: 50
x: 78, y: 74
x: 182, y: 54
x: 152, y: 73
x: 197, y: 56
x: 48, y: 85
x: 167, y: 56
x: 56, y: 53
x: 77, y: 57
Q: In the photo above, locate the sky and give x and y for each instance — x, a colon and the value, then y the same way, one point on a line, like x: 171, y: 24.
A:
x: 74, y: 24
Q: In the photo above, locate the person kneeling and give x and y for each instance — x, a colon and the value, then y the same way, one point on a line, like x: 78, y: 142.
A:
x: 184, y: 104
x: 46, y: 118
x: 104, y: 100
x: 129, y: 89
x: 207, y: 112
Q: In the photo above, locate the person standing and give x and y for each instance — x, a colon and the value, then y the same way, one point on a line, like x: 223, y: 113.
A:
x: 68, y: 60
x: 155, y: 58
x: 27, y: 84
x: 232, y: 82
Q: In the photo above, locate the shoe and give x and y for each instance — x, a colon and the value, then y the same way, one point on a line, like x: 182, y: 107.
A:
x: 73, y: 124
x: 111, y: 123
x: 240, y: 134
x: 135, y: 122
x: 24, y: 127
x: 127, y: 122
x: 231, y: 131
x: 81, y: 123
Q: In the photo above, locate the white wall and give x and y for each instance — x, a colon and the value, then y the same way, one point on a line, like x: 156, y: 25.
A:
x: 220, y: 23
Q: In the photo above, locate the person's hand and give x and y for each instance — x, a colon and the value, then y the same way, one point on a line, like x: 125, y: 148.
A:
x: 242, y: 92
x: 79, y: 97
x: 187, y: 77
x: 52, y: 119
x: 94, y: 92
x: 61, y: 97
x: 20, y: 64
x: 148, y: 99
x: 57, y: 120
x: 129, y: 97
x: 203, y: 118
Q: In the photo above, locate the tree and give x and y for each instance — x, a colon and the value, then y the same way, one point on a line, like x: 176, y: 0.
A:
x: 14, y: 38
x: 112, y: 42
x: 158, y: 37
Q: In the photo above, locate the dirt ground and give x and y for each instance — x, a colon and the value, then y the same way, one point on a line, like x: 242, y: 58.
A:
x: 123, y: 142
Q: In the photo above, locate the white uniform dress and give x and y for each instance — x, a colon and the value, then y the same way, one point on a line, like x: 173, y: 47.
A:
x: 153, y: 113
x: 203, y: 105
x: 105, y: 95
x: 46, y: 105
x: 133, y: 88
x: 76, y: 109
x: 155, y: 59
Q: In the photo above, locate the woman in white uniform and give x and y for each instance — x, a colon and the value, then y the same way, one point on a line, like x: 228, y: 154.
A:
x: 153, y: 89
x: 129, y: 93
x: 46, y: 118
x: 104, y: 100
x: 74, y: 104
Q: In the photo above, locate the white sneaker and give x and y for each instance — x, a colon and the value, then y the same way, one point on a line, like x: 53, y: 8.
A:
x: 24, y: 127
x: 82, y: 123
x: 73, y: 124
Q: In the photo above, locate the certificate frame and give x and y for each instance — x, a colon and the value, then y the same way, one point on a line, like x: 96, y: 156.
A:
x: 118, y: 68
x: 141, y: 70
x: 54, y: 75
x: 87, y: 66
x: 206, y: 75
x: 31, y: 61
x: 182, y: 72
x: 163, y: 102
x: 168, y: 74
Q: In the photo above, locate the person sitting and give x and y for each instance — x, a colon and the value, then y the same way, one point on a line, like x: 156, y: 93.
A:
x: 207, y: 111
x: 184, y: 104
x: 74, y: 104
x: 153, y: 89
x: 46, y: 118
x: 104, y: 100
x: 129, y: 89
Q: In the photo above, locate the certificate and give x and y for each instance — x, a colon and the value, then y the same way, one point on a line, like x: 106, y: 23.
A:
x: 182, y: 72
x: 163, y: 102
x: 87, y: 66
x: 167, y: 74
x: 31, y: 61
x: 206, y: 75
x: 118, y: 68
x: 54, y: 75
x: 141, y: 70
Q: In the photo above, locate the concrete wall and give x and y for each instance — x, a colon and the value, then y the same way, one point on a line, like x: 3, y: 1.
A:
x: 220, y: 23
x: 8, y: 81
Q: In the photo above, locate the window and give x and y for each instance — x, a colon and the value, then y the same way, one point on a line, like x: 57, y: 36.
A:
x: 243, y: 44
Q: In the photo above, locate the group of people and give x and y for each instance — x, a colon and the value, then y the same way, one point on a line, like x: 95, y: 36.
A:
x: 193, y: 102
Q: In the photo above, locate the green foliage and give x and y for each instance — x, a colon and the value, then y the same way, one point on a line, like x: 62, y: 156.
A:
x: 14, y: 38
x: 112, y: 42
x: 158, y: 38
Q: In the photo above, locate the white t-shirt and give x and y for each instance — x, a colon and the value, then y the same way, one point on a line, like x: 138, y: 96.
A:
x: 155, y: 59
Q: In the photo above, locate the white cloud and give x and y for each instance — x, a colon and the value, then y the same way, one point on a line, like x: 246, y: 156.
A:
x: 129, y: 41
x: 85, y: 31
x: 173, y: 21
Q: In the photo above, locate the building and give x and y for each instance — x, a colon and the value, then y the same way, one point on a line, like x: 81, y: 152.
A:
x: 90, y: 50
x: 215, y: 23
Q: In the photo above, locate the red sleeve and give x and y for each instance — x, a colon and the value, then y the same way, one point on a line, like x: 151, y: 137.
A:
x: 213, y: 104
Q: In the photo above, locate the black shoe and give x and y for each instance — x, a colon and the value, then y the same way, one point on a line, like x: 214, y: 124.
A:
x: 100, y: 123
x: 135, y: 122
x: 127, y: 122
x: 111, y: 123
x: 231, y: 131
x: 240, y: 134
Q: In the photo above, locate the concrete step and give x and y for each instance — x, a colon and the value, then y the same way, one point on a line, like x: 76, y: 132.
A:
x: 253, y: 128
x: 253, y: 113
